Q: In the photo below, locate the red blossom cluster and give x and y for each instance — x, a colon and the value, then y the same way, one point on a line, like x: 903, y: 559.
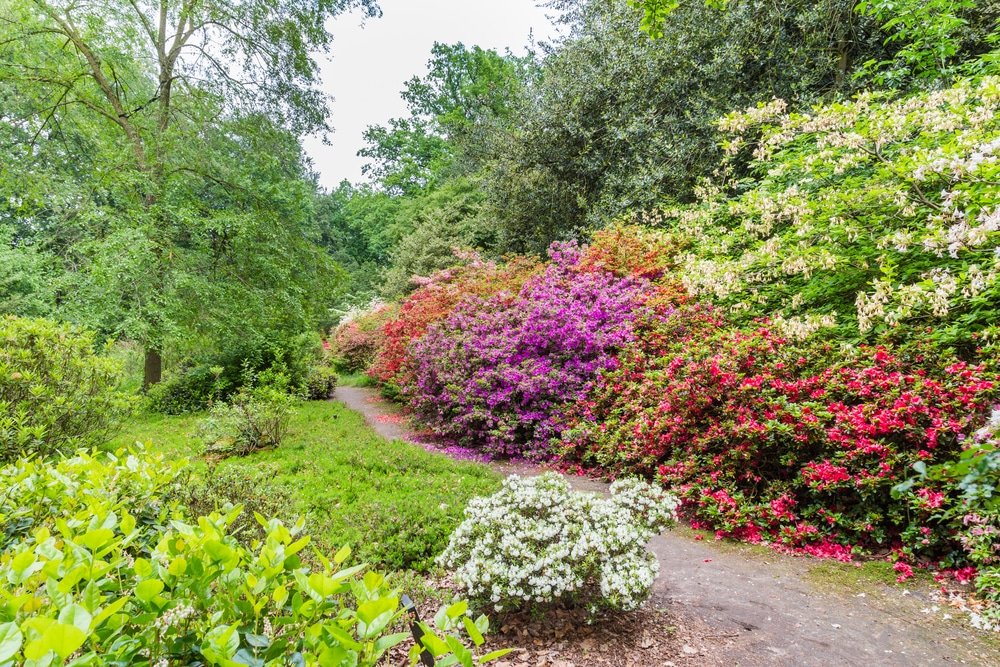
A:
x: 773, y: 440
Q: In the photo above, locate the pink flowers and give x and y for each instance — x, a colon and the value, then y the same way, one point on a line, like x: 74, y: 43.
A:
x: 905, y: 571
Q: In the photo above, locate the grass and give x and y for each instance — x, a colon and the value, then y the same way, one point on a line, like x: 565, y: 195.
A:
x: 394, y: 503
x: 355, y: 380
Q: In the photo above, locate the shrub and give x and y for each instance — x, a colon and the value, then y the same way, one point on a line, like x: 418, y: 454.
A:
x: 196, y: 383
x: 37, y: 494
x: 356, y: 341
x: 103, y: 584
x: 497, y: 373
x: 56, y: 394
x: 768, y: 439
x: 254, y: 419
x: 222, y: 488
x: 320, y: 382
x: 873, y: 209
x: 433, y: 301
x: 963, y: 495
x: 537, y: 541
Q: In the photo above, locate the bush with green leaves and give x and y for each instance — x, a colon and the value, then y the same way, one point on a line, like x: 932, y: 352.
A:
x: 537, y: 541
x: 222, y: 487
x: 320, y: 382
x: 196, y: 383
x: 254, y: 418
x: 112, y: 573
x: 964, y: 497
x: 56, y: 393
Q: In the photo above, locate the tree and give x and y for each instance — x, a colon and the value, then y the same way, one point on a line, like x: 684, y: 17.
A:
x: 189, y: 89
x: 464, y: 90
x: 618, y: 123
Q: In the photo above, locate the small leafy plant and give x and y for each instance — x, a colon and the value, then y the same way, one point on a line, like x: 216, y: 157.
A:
x: 537, y: 541
x: 253, y: 419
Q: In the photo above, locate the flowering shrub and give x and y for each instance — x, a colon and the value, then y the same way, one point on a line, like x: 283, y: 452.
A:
x: 873, y: 212
x: 538, y: 541
x: 355, y: 341
x: 497, y: 373
x: 963, y: 494
x: 112, y: 573
x: 768, y: 439
x: 632, y: 250
x: 433, y: 301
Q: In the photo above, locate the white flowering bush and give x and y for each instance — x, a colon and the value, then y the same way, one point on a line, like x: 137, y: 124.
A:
x: 538, y: 541
x: 863, y: 215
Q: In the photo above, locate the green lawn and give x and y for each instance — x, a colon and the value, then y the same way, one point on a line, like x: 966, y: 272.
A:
x: 394, y: 503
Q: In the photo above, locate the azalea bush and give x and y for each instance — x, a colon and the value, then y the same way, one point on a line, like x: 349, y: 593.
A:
x: 866, y: 214
x: 358, y: 338
x: 965, y: 493
x: 112, y: 572
x: 433, y: 301
x: 498, y: 372
x: 537, y: 541
x: 56, y: 393
x: 770, y: 439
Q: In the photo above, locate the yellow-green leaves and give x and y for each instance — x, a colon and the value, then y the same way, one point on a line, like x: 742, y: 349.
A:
x: 10, y: 641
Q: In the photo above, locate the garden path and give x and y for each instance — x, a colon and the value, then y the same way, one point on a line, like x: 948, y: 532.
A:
x: 767, y: 606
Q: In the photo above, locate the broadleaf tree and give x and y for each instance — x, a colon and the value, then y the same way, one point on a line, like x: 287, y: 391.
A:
x: 171, y: 127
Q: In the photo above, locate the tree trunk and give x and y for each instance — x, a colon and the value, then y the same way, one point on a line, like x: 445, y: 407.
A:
x: 153, y: 370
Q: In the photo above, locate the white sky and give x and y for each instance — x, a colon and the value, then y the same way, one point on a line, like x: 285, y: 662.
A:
x: 370, y: 64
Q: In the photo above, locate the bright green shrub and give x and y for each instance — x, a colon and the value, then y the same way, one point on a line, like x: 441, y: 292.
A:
x: 253, y: 419
x: 102, y: 583
x: 56, y: 394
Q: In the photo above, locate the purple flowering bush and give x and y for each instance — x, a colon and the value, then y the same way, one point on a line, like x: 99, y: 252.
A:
x: 498, y: 374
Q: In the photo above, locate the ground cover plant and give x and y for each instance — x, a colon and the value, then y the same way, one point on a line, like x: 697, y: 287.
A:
x: 393, y: 502
x: 104, y: 566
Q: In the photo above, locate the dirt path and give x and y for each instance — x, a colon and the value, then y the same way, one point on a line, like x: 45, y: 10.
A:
x: 762, y: 608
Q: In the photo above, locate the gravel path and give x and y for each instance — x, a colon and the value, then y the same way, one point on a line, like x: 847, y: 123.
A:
x: 765, y: 605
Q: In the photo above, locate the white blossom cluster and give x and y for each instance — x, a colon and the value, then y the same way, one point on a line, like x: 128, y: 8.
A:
x: 538, y: 541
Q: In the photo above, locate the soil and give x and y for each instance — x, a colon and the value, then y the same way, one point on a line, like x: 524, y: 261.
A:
x: 716, y: 605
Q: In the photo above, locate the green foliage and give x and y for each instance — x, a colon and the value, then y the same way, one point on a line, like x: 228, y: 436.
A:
x: 124, y: 579
x: 617, y: 123
x: 56, y: 394
x: 321, y: 382
x: 162, y: 168
x: 27, y: 276
x: 393, y: 502
x: 254, y: 418
x: 222, y: 488
x: 930, y: 34
x: 464, y: 90
x: 195, y: 383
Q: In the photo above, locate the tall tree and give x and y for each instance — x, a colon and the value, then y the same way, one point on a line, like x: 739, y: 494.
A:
x: 190, y: 89
x: 463, y: 92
